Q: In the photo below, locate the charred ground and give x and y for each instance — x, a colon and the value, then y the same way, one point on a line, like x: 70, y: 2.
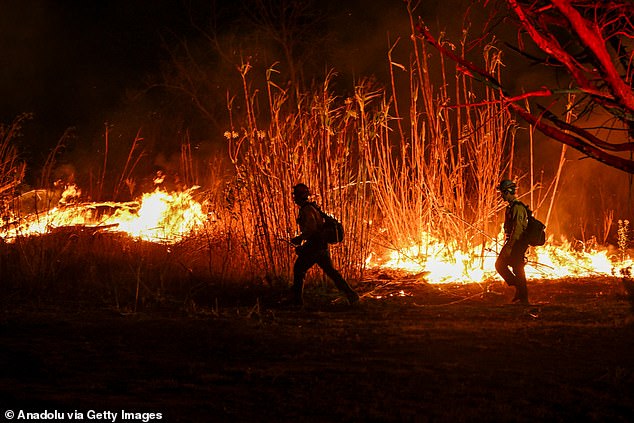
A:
x: 409, y: 352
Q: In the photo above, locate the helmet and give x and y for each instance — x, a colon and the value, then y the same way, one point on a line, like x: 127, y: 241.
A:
x: 301, y: 191
x: 507, y: 186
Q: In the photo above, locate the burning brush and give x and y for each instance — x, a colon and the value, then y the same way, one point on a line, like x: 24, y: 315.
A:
x: 158, y: 216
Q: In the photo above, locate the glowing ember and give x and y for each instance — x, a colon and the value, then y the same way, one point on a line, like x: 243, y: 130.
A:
x: 440, y: 265
x: 157, y: 217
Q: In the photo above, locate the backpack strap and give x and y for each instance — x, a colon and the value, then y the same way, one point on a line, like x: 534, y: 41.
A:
x: 313, y: 204
x: 529, y: 212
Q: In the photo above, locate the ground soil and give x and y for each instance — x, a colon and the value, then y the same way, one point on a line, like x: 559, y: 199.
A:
x: 409, y: 352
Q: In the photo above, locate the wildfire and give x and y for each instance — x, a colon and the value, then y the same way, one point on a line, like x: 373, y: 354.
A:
x: 552, y: 261
x: 168, y: 217
x: 158, y: 217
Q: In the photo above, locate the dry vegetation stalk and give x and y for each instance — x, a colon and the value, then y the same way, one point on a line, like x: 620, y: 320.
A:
x: 436, y: 180
x: 130, y: 164
x: 428, y: 176
x: 394, y: 181
x: 188, y: 169
x: 318, y: 141
x: 11, y: 167
x: 51, y: 160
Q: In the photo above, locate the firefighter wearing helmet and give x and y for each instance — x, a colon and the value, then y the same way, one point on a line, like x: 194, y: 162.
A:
x: 312, y: 248
x: 511, y: 260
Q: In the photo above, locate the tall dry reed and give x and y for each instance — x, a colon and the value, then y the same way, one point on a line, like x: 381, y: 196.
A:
x: 395, y: 180
x: 11, y: 167
x: 434, y: 170
x: 321, y: 142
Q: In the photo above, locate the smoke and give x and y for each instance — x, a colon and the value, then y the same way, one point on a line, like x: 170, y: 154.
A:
x: 367, y: 30
x: 370, y: 28
x: 591, y: 199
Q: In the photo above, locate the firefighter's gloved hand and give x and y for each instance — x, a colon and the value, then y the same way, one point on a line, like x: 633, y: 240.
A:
x: 296, y: 240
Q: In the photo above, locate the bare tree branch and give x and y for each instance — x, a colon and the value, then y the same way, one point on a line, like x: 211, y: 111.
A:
x: 593, y: 43
x: 575, y: 142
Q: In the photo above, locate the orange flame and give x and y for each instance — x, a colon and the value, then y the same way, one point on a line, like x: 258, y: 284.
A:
x: 158, y: 217
x: 442, y: 263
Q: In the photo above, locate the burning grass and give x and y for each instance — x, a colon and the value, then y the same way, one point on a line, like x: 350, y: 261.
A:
x: 442, y: 264
x: 415, y: 191
x: 416, y: 195
x: 161, y: 250
x: 182, y: 255
x: 158, y: 216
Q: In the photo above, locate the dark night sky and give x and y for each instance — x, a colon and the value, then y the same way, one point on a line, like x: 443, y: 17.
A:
x: 70, y: 62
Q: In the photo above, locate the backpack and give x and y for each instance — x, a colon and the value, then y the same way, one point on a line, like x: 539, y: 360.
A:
x: 535, y: 230
x: 332, y: 229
